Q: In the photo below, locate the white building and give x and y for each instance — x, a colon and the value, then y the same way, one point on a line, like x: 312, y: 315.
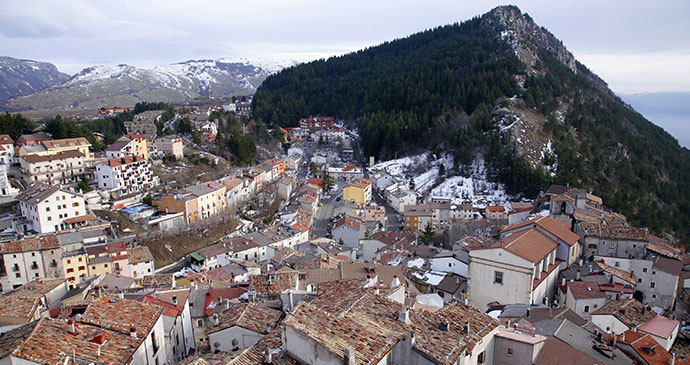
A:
x: 241, y: 325
x: 584, y: 297
x: 569, y: 249
x: 177, y: 321
x: 6, y: 149
x: 399, y: 196
x: 520, y: 268
x: 50, y: 209
x: 140, y: 262
x: 6, y: 188
x: 127, y: 174
x: 30, y: 258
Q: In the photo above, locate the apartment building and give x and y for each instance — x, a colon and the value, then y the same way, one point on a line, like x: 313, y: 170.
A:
x: 417, y: 217
x: 358, y: 191
x: 170, y: 146
x: 50, y: 209
x: 74, y: 266
x: 28, y: 259
x: 127, y: 174
x: 63, y: 168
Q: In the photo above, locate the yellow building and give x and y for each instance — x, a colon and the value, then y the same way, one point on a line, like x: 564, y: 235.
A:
x: 358, y: 191
x: 100, y: 262
x: 74, y: 265
x: 139, y: 146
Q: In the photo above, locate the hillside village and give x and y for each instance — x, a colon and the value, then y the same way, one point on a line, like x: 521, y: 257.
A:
x: 331, y: 258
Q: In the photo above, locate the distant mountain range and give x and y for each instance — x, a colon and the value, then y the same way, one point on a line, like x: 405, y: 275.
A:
x: 125, y: 85
x: 19, y: 77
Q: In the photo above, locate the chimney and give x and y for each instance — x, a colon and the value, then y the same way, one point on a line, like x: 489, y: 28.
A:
x: 622, y: 337
x: 395, y: 282
x: 527, y: 313
x: 349, y: 356
x: 581, y: 261
x: 443, y: 326
x: 268, y: 327
x: 409, y: 337
x: 613, y: 336
x: 404, y: 315
x: 467, y: 328
x: 268, y: 356
x: 563, y: 281
x: 226, y: 302
x: 376, y: 290
x: 577, y: 275
x: 457, y: 280
x: 215, y: 320
x: 71, y: 327
x: 133, y: 331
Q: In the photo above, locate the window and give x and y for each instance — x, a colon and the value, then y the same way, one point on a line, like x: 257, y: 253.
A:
x: 654, y: 296
x: 481, y: 358
x: 510, y: 351
x: 18, y: 275
x: 70, y: 270
x: 498, y: 277
x: 639, y: 280
x: 651, y: 285
x: 586, y: 309
x: 199, y: 322
x: 80, y: 259
x: 450, y: 264
x: 653, y: 272
x: 617, y: 264
x: 47, y: 209
x: 644, y: 269
x: 68, y: 261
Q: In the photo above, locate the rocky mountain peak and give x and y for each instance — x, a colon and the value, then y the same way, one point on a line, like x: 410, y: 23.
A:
x: 526, y: 37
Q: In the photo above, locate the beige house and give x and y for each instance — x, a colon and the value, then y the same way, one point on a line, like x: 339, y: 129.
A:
x: 63, y: 168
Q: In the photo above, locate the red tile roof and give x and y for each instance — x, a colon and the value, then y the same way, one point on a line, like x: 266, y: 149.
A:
x: 629, y: 311
x: 531, y: 244
x: 556, y: 228
x: 249, y: 316
x: 120, y: 314
x: 660, y: 326
x: 496, y: 208
x: 585, y: 290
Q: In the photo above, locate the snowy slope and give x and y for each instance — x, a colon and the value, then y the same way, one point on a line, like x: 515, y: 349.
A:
x: 425, y: 172
x: 102, y: 85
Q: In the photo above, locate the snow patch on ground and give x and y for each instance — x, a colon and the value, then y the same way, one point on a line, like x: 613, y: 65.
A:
x: 416, y: 263
x: 475, y: 188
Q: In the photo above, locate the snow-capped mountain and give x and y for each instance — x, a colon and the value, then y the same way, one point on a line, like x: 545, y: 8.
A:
x: 97, y: 86
x: 19, y: 77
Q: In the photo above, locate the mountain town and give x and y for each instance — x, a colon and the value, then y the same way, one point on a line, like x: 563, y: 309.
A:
x: 262, y: 227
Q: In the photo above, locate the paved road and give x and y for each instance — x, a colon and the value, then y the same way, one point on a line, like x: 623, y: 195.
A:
x: 324, y: 213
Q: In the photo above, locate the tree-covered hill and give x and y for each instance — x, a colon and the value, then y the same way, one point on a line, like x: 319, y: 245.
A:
x: 445, y: 88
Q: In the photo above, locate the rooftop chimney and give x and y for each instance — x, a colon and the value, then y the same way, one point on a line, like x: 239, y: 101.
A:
x: 613, y: 336
x: 133, y: 331
x: 376, y: 290
x: 443, y: 326
x: 563, y: 281
x: 268, y: 356
x: 577, y: 275
x: 71, y: 326
x: 409, y: 337
x: 395, y: 282
x: 215, y: 320
x: 623, y: 337
x: 268, y: 327
x: 404, y: 316
x: 349, y: 356
x: 226, y: 302
x: 467, y: 328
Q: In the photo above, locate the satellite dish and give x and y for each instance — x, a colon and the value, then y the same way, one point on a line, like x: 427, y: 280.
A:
x: 216, y: 344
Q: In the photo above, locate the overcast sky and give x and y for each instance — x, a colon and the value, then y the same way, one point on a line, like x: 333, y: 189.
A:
x: 636, y: 46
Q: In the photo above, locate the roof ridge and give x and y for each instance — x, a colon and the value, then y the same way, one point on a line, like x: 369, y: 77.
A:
x: 33, y: 331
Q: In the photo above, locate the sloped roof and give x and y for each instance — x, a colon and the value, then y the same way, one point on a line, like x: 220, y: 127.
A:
x: 531, y: 244
x: 585, y: 290
x: 139, y: 254
x: 27, y: 244
x: 120, y: 314
x: 629, y: 311
x: 558, y: 352
x: 660, y: 326
x: 250, y: 316
x: 556, y: 228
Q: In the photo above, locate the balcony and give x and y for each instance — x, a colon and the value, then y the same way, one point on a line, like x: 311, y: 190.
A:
x: 33, y: 267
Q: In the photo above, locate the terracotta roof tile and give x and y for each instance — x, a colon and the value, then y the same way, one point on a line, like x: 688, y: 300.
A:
x: 250, y: 316
x: 530, y: 244
x: 119, y: 315
x: 556, y: 228
x: 629, y: 311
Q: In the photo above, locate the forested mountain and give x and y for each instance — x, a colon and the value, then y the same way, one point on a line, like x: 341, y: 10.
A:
x: 503, y: 88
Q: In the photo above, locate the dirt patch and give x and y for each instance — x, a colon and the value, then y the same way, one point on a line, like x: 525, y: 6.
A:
x: 166, y: 249
x: 119, y: 221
